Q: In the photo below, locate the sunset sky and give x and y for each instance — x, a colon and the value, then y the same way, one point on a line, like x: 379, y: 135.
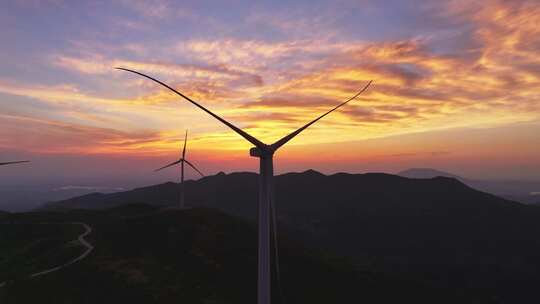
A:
x: 456, y: 86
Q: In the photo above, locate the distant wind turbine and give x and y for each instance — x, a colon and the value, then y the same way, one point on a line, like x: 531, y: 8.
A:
x: 181, y: 161
x: 14, y: 162
x: 265, y: 154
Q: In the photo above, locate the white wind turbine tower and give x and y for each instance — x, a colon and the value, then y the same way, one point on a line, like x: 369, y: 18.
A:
x: 14, y: 162
x: 181, y: 161
x: 265, y: 154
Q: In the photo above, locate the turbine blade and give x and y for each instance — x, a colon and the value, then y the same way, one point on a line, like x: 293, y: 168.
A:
x: 14, y: 162
x: 169, y: 165
x: 242, y: 133
x: 285, y: 139
x: 184, y: 151
x: 193, y: 166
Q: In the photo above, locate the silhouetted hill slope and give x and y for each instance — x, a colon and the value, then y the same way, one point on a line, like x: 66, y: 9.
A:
x: 520, y: 191
x: 3, y: 214
x: 31, y: 248
x: 161, y: 195
x: 146, y: 255
x: 437, y: 230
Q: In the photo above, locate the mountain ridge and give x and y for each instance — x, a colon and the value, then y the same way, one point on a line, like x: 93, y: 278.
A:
x: 164, y: 193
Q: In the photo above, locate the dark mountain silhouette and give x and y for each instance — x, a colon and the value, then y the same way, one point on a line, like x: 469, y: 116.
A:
x: 437, y: 231
x: 147, y: 255
x: 520, y: 191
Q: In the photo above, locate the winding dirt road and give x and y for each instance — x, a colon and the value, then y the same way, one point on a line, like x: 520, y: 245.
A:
x: 81, y: 239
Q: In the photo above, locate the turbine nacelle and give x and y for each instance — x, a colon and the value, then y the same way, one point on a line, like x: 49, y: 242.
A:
x: 265, y: 152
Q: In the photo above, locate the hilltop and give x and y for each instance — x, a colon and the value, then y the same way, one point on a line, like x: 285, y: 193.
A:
x: 517, y: 190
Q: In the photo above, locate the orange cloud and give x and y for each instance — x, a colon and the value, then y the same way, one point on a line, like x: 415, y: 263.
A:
x: 50, y: 136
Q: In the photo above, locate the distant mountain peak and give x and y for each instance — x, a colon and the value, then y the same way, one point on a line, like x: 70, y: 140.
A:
x: 426, y: 173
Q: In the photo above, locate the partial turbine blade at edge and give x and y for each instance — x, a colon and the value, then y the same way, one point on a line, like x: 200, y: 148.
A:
x: 185, y: 143
x: 242, y: 133
x: 169, y: 165
x: 285, y: 139
x: 193, y: 166
x: 14, y: 162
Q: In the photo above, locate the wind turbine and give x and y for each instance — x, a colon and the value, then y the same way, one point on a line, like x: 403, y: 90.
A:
x: 14, y: 162
x: 181, y: 161
x: 265, y: 154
